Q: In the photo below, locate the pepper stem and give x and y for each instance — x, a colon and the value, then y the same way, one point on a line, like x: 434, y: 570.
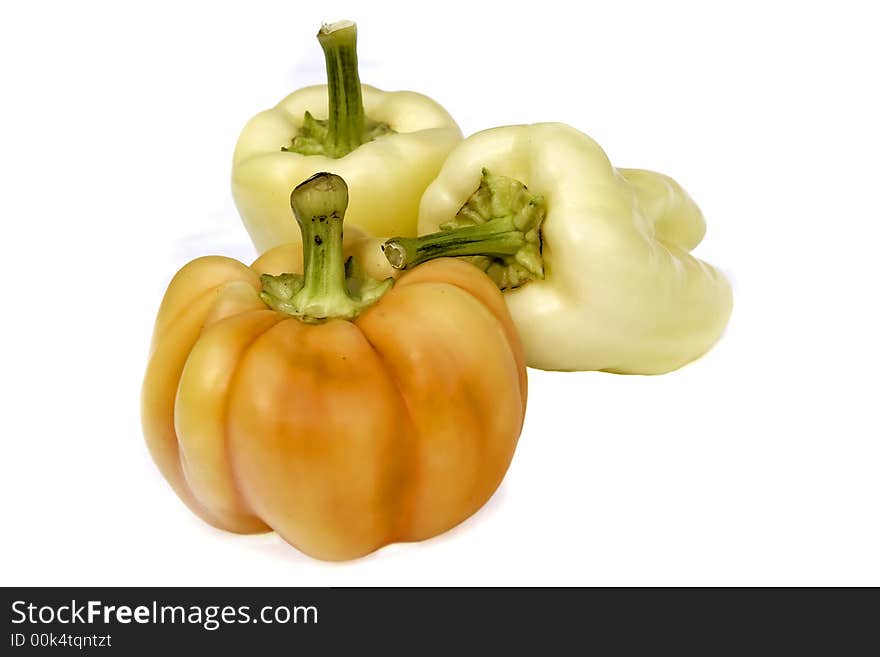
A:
x: 497, y: 237
x: 346, y: 127
x: 499, y: 227
x: 329, y: 286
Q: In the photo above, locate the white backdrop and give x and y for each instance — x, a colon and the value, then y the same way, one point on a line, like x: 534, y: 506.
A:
x: 757, y: 464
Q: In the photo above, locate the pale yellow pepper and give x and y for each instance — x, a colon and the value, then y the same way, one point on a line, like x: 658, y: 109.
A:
x: 594, y: 261
x: 388, y: 146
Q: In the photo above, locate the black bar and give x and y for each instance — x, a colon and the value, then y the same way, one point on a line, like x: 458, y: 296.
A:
x: 412, y: 621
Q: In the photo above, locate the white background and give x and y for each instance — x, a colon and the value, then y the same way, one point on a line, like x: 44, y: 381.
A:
x: 758, y: 464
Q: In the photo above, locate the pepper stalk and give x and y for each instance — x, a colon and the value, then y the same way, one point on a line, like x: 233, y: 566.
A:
x: 347, y: 126
x: 499, y: 227
x: 329, y: 287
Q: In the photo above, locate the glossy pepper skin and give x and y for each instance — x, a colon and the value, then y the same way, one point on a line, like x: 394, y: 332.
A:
x: 387, y: 146
x: 594, y: 261
x: 342, y: 430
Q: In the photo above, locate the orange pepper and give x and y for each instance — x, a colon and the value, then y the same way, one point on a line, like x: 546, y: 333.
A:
x: 342, y: 412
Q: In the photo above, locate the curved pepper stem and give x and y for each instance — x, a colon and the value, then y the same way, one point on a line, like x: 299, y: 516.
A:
x: 499, y: 227
x: 330, y: 286
x: 347, y: 126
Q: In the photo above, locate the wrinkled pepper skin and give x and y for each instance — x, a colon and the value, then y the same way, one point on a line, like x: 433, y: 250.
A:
x: 621, y: 292
x: 342, y: 436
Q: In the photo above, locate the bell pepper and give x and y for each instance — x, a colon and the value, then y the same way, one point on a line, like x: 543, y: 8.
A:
x: 387, y: 146
x: 594, y: 261
x: 329, y: 406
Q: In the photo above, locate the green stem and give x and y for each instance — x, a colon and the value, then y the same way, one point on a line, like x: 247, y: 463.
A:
x: 319, y: 205
x: 347, y: 126
x: 498, y: 229
x: 497, y: 237
x: 329, y: 286
x: 345, y: 129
